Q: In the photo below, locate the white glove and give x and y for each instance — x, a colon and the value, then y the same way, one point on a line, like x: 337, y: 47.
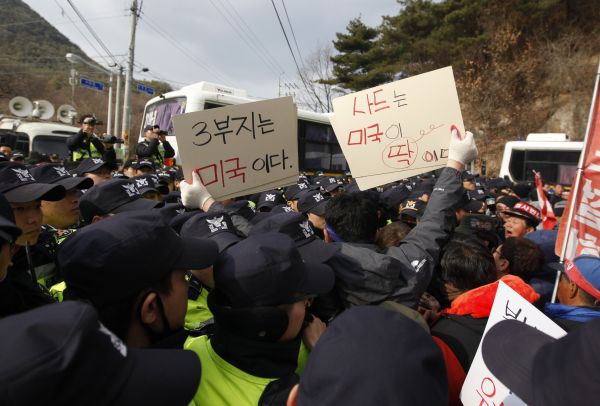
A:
x: 195, y: 195
x: 463, y: 149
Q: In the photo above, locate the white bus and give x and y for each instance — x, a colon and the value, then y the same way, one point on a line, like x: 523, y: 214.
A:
x: 318, y: 148
x: 40, y: 136
x: 552, y: 154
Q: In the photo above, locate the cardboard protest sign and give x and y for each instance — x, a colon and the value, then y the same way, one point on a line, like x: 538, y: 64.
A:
x: 398, y: 127
x: 368, y: 182
x: 481, y: 387
x: 279, y: 183
x: 240, y: 149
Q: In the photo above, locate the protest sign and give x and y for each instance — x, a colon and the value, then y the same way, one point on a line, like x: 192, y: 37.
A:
x: 481, y: 387
x: 398, y: 127
x: 241, y: 149
x: 368, y: 182
x: 274, y: 185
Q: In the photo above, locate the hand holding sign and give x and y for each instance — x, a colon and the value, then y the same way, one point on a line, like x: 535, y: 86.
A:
x: 462, y: 149
x: 194, y: 195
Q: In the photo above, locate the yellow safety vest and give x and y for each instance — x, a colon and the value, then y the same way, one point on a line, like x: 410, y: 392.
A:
x: 222, y: 383
x: 82, y: 153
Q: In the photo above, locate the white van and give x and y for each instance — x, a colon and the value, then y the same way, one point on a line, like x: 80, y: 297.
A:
x: 318, y: 148
x: 40, y: 136
x: 552, y: 154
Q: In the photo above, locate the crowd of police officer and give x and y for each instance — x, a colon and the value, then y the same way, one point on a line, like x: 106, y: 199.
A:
x: 126, y: 284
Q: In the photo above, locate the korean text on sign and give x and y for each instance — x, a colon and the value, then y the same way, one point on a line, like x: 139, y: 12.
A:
x: 481, y: 387
x: 237, y: 149
x: 400, y: 126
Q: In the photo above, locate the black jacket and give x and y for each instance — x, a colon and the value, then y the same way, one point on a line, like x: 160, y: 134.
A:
x: 18, y: 292
x: 149, y: 149
x: 82, y: 141
x: 462, y: 334
x: 400, y: 274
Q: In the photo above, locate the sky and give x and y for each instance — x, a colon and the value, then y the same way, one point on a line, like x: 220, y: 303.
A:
x: 238, y: 43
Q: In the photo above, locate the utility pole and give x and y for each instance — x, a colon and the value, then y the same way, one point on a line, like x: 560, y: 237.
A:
x: 126, y: 128
x: 110, y: 107
x: 118, y: 101
x: 73, y: 82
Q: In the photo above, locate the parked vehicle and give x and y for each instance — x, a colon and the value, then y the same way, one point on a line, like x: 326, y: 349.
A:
x: 39, y: 136
x: 318, y: 148
x: 552, y: 154
x: 28, y: 128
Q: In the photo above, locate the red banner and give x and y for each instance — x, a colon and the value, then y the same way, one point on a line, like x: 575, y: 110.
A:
x: 579, y: 231
x: 548, y: 218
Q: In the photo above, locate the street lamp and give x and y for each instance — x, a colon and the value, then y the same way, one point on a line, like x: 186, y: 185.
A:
x: 74, y: 58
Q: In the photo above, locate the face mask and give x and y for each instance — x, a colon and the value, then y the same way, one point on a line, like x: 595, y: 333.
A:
x: 154, y: 336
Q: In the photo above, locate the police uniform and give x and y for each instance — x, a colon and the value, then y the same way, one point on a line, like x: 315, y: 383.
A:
x: 19, y: 291
x: 222, y: 383
x: 84, y: 146
x: 155, y: 151
x: 198, y: 312
x: 245, y: 362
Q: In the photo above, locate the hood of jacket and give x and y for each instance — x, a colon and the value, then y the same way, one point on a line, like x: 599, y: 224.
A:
x: 478, y: 302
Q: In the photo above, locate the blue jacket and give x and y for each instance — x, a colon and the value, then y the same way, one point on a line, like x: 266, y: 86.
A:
x: 575, y: 313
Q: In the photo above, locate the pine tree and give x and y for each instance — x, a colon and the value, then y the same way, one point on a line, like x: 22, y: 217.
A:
x: 358, y: 64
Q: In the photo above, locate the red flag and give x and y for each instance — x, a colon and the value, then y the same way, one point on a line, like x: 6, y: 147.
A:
x: 548, y: 217
x: 579, y: 231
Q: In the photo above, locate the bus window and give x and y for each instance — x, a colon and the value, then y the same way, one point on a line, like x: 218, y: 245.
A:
x: 48, y: 144
x: 318, y: 148
x: 209, y: 105
x: 316, y: 156
x: 338, y: 161
x: 160, y: 113
x: 555, y: 166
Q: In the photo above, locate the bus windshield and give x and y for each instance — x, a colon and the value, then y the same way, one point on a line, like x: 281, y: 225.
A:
x: 161, y: 113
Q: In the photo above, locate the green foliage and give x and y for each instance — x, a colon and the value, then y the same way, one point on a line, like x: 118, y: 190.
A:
x: 520, y: 65
x: 357, y: 65
x: 426, y: 35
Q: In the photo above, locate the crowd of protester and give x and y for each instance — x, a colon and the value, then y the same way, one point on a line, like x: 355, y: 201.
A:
x: 126, y: 284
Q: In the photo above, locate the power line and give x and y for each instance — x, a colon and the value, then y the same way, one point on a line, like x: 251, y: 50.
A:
x: 184, y: 51
x: 38, y: 20
x: 244, y: 32
x: 156, y: 75
x: 288, y: 44
x: 293, y: 34
x: 81, y: 32
x: 256, y: 40
x: 35, y: 58
x: 91, y: 30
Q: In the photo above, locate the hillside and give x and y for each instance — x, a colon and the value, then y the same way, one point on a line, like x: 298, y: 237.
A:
x: 33, y: 64
x: 521, y: 66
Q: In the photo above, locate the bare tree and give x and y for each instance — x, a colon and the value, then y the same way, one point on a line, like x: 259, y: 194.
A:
x: 315, y: 94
